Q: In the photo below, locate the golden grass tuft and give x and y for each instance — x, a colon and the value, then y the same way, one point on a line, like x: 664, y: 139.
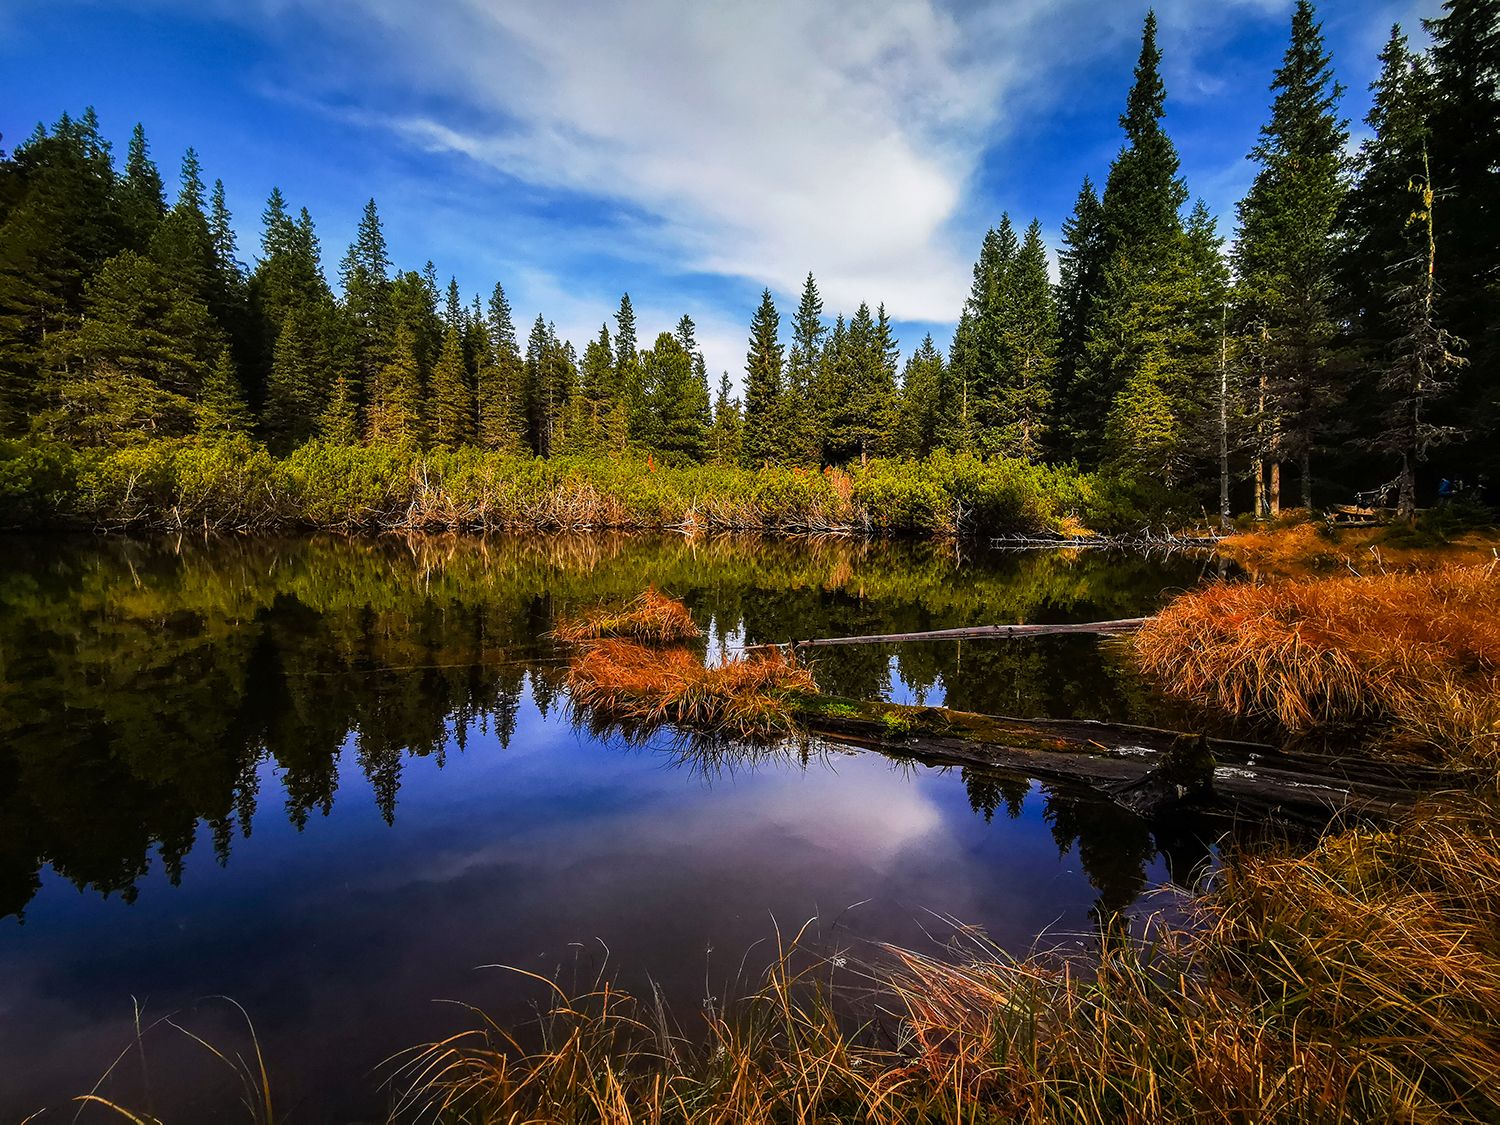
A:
x: 651, y: 617
x: 1419, y: 653
x: 743, y: 695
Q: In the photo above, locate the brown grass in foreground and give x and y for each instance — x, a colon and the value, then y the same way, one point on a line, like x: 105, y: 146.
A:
x: 1360, y: 982
x: 1417, y: 652
x: 652, y: 617
x: 743, y: 695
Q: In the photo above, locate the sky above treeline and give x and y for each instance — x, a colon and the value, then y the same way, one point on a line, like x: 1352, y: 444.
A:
x: 691, y: 153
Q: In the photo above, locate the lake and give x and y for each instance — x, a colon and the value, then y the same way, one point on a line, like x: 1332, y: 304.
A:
x: 331, y: 779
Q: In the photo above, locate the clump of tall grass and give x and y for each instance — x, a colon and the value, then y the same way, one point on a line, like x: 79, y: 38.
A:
x: 1418, y: 653
x: 749, y: 694
x: 651, y: 616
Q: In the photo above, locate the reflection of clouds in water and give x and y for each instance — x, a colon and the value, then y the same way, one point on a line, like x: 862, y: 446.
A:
x: 855, y: 809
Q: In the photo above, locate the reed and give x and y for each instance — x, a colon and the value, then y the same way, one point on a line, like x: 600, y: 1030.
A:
x: 745, y: 695
x: 652, y: 617
x: 1418, y: 654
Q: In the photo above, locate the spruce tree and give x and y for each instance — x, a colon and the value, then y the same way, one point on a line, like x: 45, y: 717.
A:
x: 551, y: 379
x: 1081, y: 261
x: 339, y: 422
x: 928, y: 412
x: 1423, y: 364
x: 183, y: 243
x: 1285, y: 252
x: 364, y: 276
x: 679, y: 403
x: 221, y: 406
x: 1141, y: 237
x: 396, y: 412
x: 500, y: 382
x: 1022, y: 394
x: 1464, y: 148
x: 763, y: 390
x: 297, y: 390
x: 142, y: 197
x: 596, y: 381
x: 130, y: 368
x: 629, y: 385
x: 798, y: 428
x: 451, y: 395
x: 726, y: 444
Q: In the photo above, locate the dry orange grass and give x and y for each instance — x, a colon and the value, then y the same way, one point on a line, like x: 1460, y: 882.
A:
x: 745, y: 694
x: 651, y: 617
x: 1417, y: 652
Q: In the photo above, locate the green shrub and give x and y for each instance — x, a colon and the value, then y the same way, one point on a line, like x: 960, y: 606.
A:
x: 37, y: 481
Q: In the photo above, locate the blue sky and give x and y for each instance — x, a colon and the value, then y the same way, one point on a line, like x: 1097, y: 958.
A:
x: 688, y: 153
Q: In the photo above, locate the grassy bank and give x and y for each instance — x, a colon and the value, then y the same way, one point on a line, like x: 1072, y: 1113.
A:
x: 236, y: 485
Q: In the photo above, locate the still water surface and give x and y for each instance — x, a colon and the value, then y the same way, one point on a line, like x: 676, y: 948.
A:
x: 332, y: 778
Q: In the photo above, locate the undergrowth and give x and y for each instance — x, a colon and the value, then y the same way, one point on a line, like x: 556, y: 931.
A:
x: 652, y: 617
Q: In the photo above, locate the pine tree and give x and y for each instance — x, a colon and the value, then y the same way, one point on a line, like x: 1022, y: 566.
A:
x: 142, y: 198
x: 396, y: 412
x: 679, y: 402
x: 182, y: 243
x: 500, y: 387
x: 726, y: 439
x: 977, y: 354
x: 873, y: 386
x: 364, y: 276
x: 60, y: 226
x: 339, y: 422
x: 1465, y: 158
x: 297, y: 391
x: 801, y: 441
x: 1373, y: 230
x: 1028, y: 347
x: 1141, y: 235
x: 451, y: 395
x: 551, y: 378
x: 629, y: 385
x: 763, y: 439
x: 221, y: 406
x: 596, y: 381
x: 1284, y: 254
x: 1082, y: 268
x: 454, y: 316
x: 928, y: 411
x: 133, y: 364
x: 1424, y: 361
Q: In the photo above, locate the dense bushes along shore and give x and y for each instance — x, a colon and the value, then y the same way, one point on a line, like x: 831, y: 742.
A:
x: 237, y: 485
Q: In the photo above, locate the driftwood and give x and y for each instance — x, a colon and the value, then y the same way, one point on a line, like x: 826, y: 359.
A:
x: 1136, y: 766
x: 992, y: 632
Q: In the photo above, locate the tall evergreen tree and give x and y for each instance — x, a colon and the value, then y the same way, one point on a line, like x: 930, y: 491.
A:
x: 1285, y: 251
x: 1022, y: 394
x: 596, y: 402
x: 1082, y: 263
x: 298, y: 387
x: 630, y: 388
x: 1465, y: 157
x: 364, y: 276
x: 551, y: 378
x: 928, y: 413
x: 339, y: 422
x: 726, y: 440
x: 182, y: 243
x: 142, y: 196
x: 452, y: 397
x: 800, y: 440
x: 1141, y: 235
x: 679, y: 402
x: 763, y: 439
x: 501, y: 382
x: 221, y: 406
x: 396, y: 405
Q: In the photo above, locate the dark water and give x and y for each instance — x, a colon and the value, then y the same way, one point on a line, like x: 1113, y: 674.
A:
x: 331, y: 779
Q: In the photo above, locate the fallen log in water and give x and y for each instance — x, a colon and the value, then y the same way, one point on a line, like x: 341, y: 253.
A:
x: 994, y: 632
x: 1135, y: 765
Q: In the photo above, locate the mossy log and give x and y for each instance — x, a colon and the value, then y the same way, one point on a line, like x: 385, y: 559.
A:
x: 1143, y: 768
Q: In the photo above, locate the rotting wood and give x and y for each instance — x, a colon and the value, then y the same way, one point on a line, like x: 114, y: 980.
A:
x: 993, y: 632
x: 1250, y: 780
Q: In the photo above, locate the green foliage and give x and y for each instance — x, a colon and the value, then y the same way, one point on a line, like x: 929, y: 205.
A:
x: 221, y: 407
x: 764, y: 407
x: 38, y: 482
x: 452, y: 397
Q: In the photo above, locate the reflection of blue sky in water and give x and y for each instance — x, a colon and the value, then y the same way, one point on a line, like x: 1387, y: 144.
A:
x: 337, y: 939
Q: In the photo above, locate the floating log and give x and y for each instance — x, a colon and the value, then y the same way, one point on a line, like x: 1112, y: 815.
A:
x: 991, y: 632
x: 1135, y: 766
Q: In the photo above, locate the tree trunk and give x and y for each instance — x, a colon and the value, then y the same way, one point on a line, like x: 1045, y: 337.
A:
x: 1276, y: 488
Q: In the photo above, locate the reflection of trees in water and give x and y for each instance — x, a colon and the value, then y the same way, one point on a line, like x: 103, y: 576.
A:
x: 1113, y: 844
x: 144, y: 684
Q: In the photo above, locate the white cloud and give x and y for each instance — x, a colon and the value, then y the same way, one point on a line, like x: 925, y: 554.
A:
x: 756, y: 138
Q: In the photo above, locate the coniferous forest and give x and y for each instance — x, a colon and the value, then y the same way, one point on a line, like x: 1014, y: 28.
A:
x: 1332, y: 337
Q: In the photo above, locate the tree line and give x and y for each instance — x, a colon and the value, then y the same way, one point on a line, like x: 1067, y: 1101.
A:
x: 1342, y: 336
